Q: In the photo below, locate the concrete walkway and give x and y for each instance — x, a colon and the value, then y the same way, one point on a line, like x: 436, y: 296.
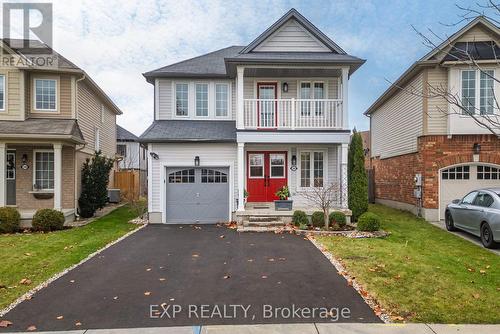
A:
x: 313, y: 328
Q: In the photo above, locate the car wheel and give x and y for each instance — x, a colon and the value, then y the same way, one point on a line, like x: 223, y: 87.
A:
x: 448, y: 220
x: 487, y: 237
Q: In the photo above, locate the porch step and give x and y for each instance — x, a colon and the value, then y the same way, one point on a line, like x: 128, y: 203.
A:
x: 263, y: 224
x: 261, y: 218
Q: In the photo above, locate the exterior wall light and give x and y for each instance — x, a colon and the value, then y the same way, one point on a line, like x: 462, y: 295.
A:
x: 24, y: 162
x: 154, y: 155
x: 285, y: 87
x: 197, y: 161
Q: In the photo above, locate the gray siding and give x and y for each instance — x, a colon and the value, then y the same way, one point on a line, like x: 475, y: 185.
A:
x: 398, y: 122
x: 165, y: 96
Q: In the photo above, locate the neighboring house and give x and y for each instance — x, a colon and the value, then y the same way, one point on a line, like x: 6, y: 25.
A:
x: 51, y: 120
x: 413, y: 134
x: 365, y: 137
x: 249, y: 119
x: 133, y: 155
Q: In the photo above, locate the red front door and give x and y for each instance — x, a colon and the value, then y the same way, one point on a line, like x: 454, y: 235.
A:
x: 266, y: 174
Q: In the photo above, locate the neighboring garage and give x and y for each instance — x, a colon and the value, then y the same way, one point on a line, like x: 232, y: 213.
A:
x: 197, y: 195
x: 457, y: 181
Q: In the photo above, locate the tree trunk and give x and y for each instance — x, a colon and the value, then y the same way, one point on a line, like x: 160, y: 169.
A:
x: 326, y: 213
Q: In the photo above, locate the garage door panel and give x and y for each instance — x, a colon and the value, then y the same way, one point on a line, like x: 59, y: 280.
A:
x: 203, y: 198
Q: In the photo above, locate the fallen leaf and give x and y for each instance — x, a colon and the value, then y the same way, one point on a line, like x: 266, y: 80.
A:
x: 397, y: 276
x: 482, y: 271
x: 397, y: 318
x: 172, y: 299
x: 487, y: 267
x: 27, y: 254
x: 349, y: 282
x: 147, y: 293
x: 78, y: 323
x: 195, y: 255
x: 363, y: 293
x: 149, y: 269
x: 282, y: 259
x: 72, y: 281
x: 471, y: 270
x: 5, y: 323
x: 476, y: 295
x: 60, y: 317
x: 115, y: 297
x: 264, y: 277
x: 250, y: 260
x: 25, y: 281
x: 161, y: 279
x: 222, y: 236
x: 271, y: 260
x: 372, y: 270
x: 227, y: 276
x: 31, y: 328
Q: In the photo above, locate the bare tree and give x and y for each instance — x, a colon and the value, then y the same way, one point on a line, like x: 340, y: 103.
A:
x: 486, y: 115
x: 323, y: 197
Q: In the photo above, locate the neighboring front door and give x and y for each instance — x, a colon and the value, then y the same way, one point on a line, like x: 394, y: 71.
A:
x: 11, y: 178
x: 266, y: 174
x: 267, y: 95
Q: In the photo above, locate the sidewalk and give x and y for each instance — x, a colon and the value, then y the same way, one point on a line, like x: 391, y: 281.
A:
x: 313, y: 328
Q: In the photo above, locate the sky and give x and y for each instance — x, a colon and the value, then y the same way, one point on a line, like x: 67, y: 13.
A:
x: 116, y: 41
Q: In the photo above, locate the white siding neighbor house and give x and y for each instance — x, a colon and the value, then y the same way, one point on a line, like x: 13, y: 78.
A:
x: 235, y: 125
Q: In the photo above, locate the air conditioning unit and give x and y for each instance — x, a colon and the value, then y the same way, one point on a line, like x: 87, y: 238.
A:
x: 114, y: 195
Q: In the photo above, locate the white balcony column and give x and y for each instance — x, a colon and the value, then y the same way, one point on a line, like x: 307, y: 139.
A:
x: 57, y: 176
x: 240, y: 120
x: 343, y: 176
x: 345, y: 97
x: 241, y: 176
x: 3, y: 173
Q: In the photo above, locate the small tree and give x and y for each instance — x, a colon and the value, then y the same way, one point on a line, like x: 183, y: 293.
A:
x: 358, y: 180
x: 95, y: 178
x: 324, y: 198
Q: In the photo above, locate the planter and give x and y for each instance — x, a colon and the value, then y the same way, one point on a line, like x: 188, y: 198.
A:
x: 283, y: 205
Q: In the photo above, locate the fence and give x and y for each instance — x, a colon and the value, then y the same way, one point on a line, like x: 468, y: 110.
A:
x: 128, y: 182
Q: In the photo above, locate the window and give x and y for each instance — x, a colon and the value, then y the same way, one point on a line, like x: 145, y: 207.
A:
x: 45, y: 94
x: 44, y: 170
x: 2, y: 92
x: 256, y: 162
x: 456, y: 173
x: 312, y: 169
x: 201, y: 99
x: 121, y: 150
x: 277, y: 165
x: 213, y: 176
x: 305, y: 94
x: 487, y: 173
x: 97, y: 139
x: 487, y: 93
x: 316, y: 92
x: 181, y: 99
x: 469, y: 198
x: 221, y: 99
x: 484, y: 200
x: 181, y: 176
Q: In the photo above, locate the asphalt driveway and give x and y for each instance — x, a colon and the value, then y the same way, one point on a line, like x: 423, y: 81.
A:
x: 206, y: 274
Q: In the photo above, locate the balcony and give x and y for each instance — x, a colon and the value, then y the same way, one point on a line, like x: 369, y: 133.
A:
x: 292, y: 114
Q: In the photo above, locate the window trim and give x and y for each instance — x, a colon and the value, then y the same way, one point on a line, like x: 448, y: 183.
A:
x: 34, y: 168
x: 311, y: 167
x: 263, y: 166
x: 311, y: 87
x: 477, y: 88
x: 284, y: 165
x: 117, y: 151
x: 33, y: 92
x: 4, y: 79
x: 229, y: 99
x: 174, y: 100
x: 196, y: 100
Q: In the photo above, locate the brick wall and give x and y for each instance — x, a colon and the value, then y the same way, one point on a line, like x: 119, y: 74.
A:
x: 394, y: 176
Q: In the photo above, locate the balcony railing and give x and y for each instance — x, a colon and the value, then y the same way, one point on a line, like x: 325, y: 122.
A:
x: 292, y: 114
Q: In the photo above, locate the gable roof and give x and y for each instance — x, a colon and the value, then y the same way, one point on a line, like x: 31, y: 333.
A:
x: 123, y: 134
x: 430, y: 60
x: 311, y: 28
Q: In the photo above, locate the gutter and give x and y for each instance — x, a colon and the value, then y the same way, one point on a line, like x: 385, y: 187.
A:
x: 75, y: 188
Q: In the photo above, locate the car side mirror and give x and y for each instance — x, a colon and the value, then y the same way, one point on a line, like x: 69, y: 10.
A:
x: 456, y: 201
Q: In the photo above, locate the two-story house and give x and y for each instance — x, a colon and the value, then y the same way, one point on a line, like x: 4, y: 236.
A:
x: 425, y: 150
x: 132, y: 154
x: 52, y: 118
x: 233, y: 126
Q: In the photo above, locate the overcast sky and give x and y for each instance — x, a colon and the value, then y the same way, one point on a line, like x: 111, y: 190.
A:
x: 117, y: 41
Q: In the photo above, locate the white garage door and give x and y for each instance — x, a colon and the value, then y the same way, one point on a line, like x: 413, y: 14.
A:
x: 457, y: 181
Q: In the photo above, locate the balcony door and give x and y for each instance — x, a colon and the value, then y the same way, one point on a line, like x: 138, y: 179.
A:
x: 266, y: 174
x: 267, y: 93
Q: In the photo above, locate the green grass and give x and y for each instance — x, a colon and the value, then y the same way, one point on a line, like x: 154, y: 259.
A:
x: 423, y: 273
x: 38, y: 256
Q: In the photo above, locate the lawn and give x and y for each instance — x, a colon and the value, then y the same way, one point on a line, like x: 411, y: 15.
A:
x: 38, y: 256
x: 423, y: 273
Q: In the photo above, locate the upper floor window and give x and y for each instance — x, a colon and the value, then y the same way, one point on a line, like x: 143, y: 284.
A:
x: 45, y: 94
x: 312, y: 91
x: 478, y: 91
x: 221, y: 100
x: 201, y: 99
x: 2, y: 92
x: 121, y: 150
x: 181, y: 99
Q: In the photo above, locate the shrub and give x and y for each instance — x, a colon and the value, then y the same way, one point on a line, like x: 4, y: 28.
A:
x: 318, y: 219
x: 299, y: 218
x: 95, y: 179
x: 368, y: 221
x: 48, y: 220
x: 9, y: 220
x: 337, y: 218
x: 357, y: 178
x: 139, y: 206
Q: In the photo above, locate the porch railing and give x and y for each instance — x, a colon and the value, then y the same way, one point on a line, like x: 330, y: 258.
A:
x: 292, y: 114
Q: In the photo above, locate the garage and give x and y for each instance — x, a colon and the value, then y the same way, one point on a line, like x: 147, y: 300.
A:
x: 457, y: 181
x: 197, y: 195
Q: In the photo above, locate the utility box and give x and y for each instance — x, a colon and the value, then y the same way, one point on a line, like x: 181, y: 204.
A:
x: 417, y: 192
x: 114, y: 195
x: 418, y: 180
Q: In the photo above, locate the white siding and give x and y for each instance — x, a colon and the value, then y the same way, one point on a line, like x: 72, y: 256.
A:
x: 291, y: 37
x: 437, y: 119
x: 134, y: 158
x: 398, y: 122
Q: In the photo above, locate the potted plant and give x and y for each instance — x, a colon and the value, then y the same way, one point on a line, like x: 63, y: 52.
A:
x: 284, y: 203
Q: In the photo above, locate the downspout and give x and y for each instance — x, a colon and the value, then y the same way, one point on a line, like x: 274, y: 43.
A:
x: 77, y: 150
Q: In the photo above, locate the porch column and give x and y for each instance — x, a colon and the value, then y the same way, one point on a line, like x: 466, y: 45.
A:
x: 343, y: 176
x: 240, y: 124
x: 57, y: 176
x: 241, y: 176
x: 3, y: 173
x: 345, y: 97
